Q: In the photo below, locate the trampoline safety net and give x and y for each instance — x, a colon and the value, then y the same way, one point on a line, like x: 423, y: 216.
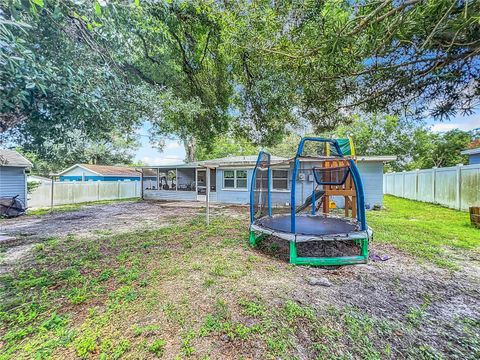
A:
x: 331, y: 175
x: 260, y: 184
x: 296, y: 200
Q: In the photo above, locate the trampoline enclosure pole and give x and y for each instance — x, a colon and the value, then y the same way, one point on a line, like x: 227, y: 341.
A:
x: 269, y: 200
x: 292, y: 197
x: 360, y: 195
x: 313, y: 202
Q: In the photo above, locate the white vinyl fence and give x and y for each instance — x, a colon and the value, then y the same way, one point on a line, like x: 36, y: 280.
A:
x: 82, y: 191
x: 456, y: 187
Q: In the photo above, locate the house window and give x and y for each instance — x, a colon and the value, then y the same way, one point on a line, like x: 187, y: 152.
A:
x: 280, y: 179
x: 241, y: 179
x: 235, y: 179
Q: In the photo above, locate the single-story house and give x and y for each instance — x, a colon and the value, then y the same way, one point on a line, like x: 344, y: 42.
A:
x: 13, y: 175
x: 473, y: 155
x: 88, y: 172
x: 230, y: 179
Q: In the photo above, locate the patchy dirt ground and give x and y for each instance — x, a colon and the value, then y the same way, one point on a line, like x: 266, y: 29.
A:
x: 116, y: 217
x: 148, y: 280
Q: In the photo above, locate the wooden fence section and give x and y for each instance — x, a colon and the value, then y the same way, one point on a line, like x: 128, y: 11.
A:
x: 456, y: 187
x: 82, y: 191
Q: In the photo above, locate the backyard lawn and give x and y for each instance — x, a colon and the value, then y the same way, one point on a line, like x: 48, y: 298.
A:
x: 150, y: 280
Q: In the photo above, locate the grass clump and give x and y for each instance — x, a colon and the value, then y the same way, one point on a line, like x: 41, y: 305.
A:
x: 157, y: 347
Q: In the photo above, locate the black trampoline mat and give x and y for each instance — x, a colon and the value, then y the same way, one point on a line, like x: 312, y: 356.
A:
x: 308, y: 225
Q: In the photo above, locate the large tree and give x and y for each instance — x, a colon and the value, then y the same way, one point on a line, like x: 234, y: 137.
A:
x: 197, y: 69
x: 229, y: 145
x: 61, y: 99
x: 413, y: 57
x: 178, y: 47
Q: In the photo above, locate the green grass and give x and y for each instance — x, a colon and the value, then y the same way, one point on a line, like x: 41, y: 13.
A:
x: 74, y: 207
x: 185, y: 290
x: 426, y: 231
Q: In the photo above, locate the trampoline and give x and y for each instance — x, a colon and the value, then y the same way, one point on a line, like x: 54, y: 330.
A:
x: 330, y: 175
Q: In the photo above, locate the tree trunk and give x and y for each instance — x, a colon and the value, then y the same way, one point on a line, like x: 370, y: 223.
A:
x: 190, y: 148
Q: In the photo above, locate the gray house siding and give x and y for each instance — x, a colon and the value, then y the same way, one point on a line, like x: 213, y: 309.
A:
x: 233, y: 196
x: 372, y: 178
x: 13, y: 182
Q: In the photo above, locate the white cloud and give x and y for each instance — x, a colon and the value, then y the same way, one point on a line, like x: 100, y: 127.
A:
x: 173, y: 145
x: 465, y: 124
x: 442, y: 127
x: 163, y: 160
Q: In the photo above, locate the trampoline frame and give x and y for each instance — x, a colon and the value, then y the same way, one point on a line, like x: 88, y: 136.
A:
x: 360, y: 237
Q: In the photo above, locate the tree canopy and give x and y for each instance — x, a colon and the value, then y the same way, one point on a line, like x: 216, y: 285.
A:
x: 198, y: 70
x: 414, y: 144
x: 61, y: 100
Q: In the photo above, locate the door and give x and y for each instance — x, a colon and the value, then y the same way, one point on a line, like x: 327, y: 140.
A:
x: 201, y: 185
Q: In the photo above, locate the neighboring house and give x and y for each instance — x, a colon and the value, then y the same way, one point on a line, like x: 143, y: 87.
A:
x: 473, y: 155
x: 13, y: 175
x: 230, y: 179
x: 87, y: 172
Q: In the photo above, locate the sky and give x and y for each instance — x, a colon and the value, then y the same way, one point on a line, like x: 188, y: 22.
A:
x: 174, y: 152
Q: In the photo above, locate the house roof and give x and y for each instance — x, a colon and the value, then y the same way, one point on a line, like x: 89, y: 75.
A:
x: 377, y: 158
x: 471, y: 151
x: 13, y: 159
x: 105, y: 170
x: 360, y: 158
x: 250, y: 160
x: 239, y: 160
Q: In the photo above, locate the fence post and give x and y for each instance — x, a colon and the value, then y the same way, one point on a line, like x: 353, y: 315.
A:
x: 118, y: 189
x: 458, y: 184
x: 98, y: 190
x: 52, y: 194
x: 416, y: 184
x: 434, y: 172
x: 403, y: 184
x: 141, y: 185
x: 73, y: 192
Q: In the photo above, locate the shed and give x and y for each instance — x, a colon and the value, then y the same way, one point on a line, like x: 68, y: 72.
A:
x: 473, y: 155
x: 13, y: 175
x: 89, y: 172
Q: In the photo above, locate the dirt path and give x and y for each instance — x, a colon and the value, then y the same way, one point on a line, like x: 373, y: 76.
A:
x: 24, y: 232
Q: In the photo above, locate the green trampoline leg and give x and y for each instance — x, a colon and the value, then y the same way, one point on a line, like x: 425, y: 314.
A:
x: 364, y: 248
x: 253, y: 240
x: 293, y: 252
